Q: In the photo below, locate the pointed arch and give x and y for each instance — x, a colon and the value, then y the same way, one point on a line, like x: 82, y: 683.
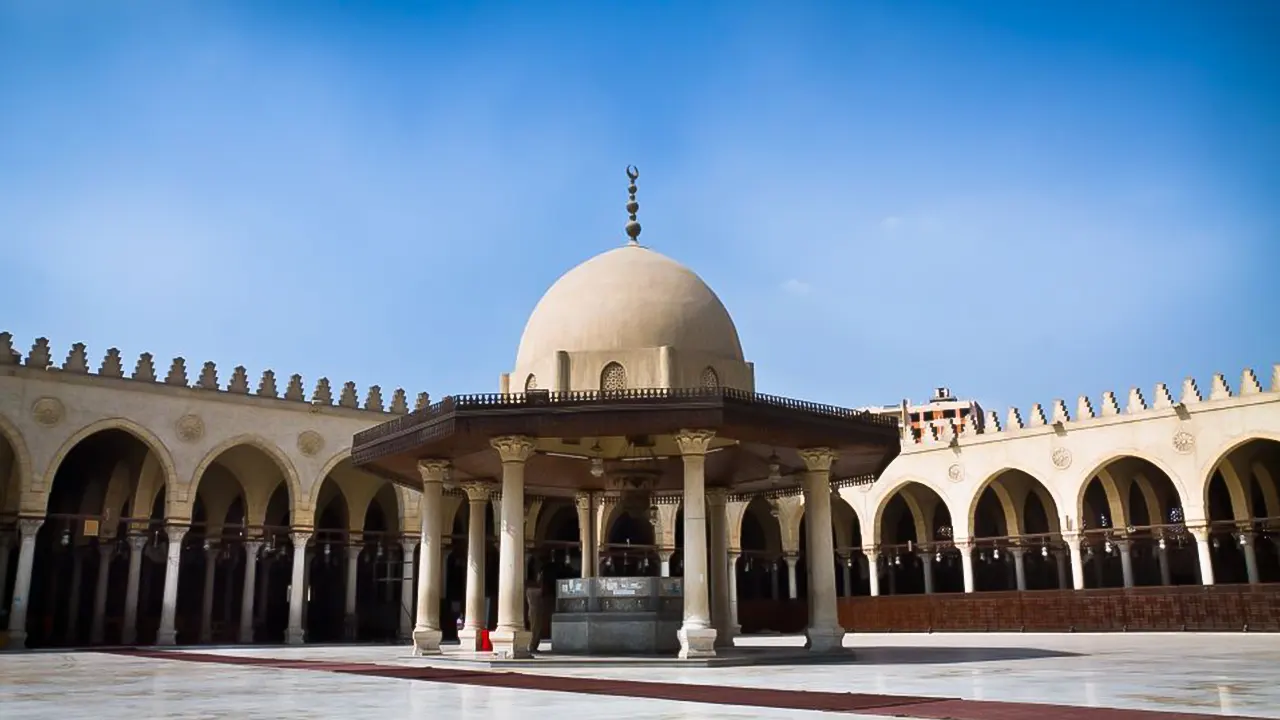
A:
x: 1236, y: 480
x: 1015, y: 522
x: 293, y: 483
x: 26, y: 471
x: 1099, y: 469
x: 895, y: 488
x: 613, y: 378
x: 157, y: 449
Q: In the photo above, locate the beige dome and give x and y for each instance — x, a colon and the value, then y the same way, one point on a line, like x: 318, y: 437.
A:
x: 627, y: 299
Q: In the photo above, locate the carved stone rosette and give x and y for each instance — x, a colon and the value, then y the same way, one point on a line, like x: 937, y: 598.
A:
x: 1184, y: 442
x: 310, y: 443
x: 189, y: 428
x: 48, y: 411
x: 1061, y: 458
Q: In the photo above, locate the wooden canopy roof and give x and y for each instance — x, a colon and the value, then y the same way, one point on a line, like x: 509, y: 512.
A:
x: 628, y: 433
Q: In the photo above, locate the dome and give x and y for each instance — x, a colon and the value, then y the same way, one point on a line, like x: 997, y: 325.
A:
x: 629, y: 298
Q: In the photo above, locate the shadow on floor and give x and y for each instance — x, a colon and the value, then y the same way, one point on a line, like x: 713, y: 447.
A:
x: 944, y: 655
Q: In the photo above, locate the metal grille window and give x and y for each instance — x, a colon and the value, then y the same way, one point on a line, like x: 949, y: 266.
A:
x: 613, y: 378
x: 709, y: 378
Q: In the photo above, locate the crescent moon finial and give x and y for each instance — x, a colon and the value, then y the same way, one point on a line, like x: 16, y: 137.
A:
x: 633, y: 173
x: 633, y: 225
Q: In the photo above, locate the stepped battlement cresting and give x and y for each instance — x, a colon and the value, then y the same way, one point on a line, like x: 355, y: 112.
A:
x: 144, y: 370
x: 1136, y: 403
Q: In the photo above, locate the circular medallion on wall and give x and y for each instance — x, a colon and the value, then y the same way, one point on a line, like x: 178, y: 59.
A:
x: 1184, y: 442
x: 47, y: 411
x: 1061, y: 458
x: 310, y: 442
x: 955, y: 473
x: 190, y: 428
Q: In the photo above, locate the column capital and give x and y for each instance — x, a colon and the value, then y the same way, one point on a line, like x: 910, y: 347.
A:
x: 138, y: 543
x: 477, y: 491
x: 717, y: 496
x: 176, y: 532
x: 1200, y: 533
x: 29, y: 526
x: 818, y: 459
x: 1017, y: 551
x: 353, y: 552
x: 582, y: 500
x: 664, y: 554
x: 1072, y: 538
x: 694, y: 442
x: 251, y: 547
x: 735, y: 553
x: 513, y: 448
x: 433, y: 470
x: 965, y: 545
x: 409, y: 543
x: 300, y: 538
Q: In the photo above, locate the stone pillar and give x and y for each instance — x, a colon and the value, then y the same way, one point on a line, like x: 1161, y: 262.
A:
x: 825, y: 633
x: 251, y: 548
x: 846, y: 570
x: 97, y: 631
x: 206, y: 604
x: 926, y: 571
x: 697, y: 637
x: 173, y: 565
x: 719, y: 559
x: 585, y: 503
x: 1250, y: 556
x: 664, y: 560
x: 793, y: 589
x: 1162, y: 557
x: 129, y: 634
x: 1072, y: 539
x: 966, y: 563
x: 426, y: 628
x: 268, y: 563
x: 1019, y: 568
x: 873, y: 571
x: 510, y: 638
x: 73, y: 604
x: 1124, y: 547
x: 1204, y: 550
x: 295, y: 635
x: 5, y: 544
x: 350, y: 620
x: 734, y: 627
x: 27, y: 529
x: 408, y: 548
x: 773, y: 580
x: 474, y: 619
x: 1060, y: 564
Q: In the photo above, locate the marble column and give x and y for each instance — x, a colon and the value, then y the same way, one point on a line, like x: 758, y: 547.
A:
x: 1162, y: 558
x: 1019, y: 568
x: 664, y: 561
x: 773, y: 580
x: 167, y: 635
x: 1124, y: 548
x: 251, y: 548
x: 260, y: 608
x: 697, y: 637
x: 1204, y: 550
x: 129, y: 634
x: 27, y: 529
x: 426, y: 628
x: 825, y: 634
x: 294, y: 634
x: 793, y: 587
x: 511, y: 639
x: 350, y: 620
x: 734, y: 627
x: 1072, y: 539
x: 408, y: 549
x: 966, y: 563
x: 206, y: 602
x: 97, y: 630
x: 846, y: 570
x: 717, y: 499
x: 873, y: 571
x: 1245, y: 538
x: 926, y: 569
x: 474, y: 619
x: 1060, y: 564
x: 73, y: 604
x: 585, y: 504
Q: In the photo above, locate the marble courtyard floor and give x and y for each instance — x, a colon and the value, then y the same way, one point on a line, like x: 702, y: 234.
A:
x: 963, y: 677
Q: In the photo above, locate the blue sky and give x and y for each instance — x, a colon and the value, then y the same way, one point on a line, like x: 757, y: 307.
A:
x: 1022, y: 201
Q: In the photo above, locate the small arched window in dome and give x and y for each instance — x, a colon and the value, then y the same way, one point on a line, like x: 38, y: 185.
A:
x: 709, y: 378
x: 531, y: 382
x: 613, y: 378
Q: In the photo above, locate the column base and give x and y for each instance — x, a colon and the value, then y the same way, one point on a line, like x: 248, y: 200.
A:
x: 246, y: 636
x: 351, y: 627
x: 696, y: 643
x: 17, y: 638
x: 294, y: 636
x: 824, y: 639
x: 426, y: 642
x: 166, y: 637
x: 511, y: 644
x: 469, y: 639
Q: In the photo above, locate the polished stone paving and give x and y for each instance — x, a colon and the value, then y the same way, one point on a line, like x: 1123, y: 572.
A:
x: 1224, y: 674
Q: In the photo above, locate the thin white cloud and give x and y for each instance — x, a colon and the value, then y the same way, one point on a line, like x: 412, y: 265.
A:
x: 796, y: 287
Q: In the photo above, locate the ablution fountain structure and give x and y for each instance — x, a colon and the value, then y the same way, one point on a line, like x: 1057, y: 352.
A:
x: 631, y: 386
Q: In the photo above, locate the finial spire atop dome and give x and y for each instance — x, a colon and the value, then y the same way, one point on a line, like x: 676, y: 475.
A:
x: 633, y: 227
